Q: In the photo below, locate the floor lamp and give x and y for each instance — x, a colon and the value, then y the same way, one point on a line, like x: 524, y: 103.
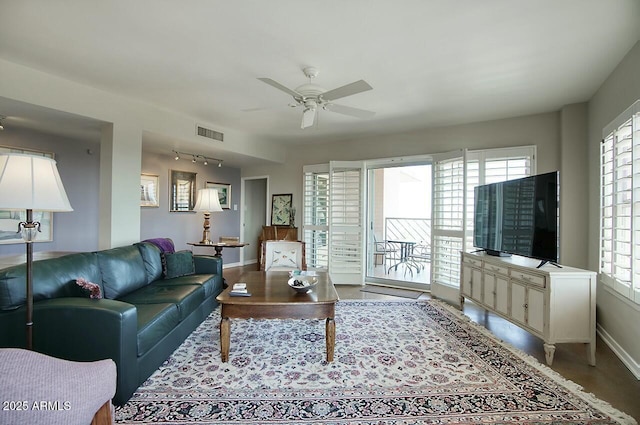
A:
x: 31, y: 183
x: 207, y: 202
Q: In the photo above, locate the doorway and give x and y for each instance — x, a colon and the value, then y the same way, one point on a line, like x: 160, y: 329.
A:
x: 399, y: 218
x: 253, y: 215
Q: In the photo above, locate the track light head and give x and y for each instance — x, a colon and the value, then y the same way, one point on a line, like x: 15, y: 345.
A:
x: 194, y: 157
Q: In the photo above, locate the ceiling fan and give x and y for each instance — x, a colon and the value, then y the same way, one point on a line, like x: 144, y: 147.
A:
x: 311, y: 97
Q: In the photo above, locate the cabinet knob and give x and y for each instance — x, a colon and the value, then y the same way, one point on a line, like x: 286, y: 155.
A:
x: 525, y: 305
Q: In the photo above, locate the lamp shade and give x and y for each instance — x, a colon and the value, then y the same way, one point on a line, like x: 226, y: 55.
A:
x: 207, y: 201
x: 31, y: 182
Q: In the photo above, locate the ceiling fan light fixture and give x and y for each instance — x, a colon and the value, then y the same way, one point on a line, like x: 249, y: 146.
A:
x: 312, y: 97
x: 308, y: 116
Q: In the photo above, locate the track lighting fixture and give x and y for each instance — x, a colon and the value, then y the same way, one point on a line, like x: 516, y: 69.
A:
x: 196, y: 157
x: 2, y: 117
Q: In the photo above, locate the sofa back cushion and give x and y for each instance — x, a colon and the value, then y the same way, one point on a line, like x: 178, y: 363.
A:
x: 52, y: 278
x: 177, y: 264
x: 152, y: 258
x: 122, y: 270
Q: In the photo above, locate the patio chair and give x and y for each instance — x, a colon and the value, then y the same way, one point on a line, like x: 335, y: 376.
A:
x: 383, y: 251
x: 421, y: 255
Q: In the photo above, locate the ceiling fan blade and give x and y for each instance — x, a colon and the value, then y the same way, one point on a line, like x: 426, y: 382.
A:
x: 279, y: 86
x: 348, y: 110
x: 254, y: 109
x: 348, y: 90
x: 308, y: 116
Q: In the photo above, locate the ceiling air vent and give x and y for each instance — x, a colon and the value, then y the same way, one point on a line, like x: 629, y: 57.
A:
x: 208, y: 133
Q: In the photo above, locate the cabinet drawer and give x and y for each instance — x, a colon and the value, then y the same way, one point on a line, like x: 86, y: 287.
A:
x: 472, y: 261
x: 530, y: 278
x: 496, y: 269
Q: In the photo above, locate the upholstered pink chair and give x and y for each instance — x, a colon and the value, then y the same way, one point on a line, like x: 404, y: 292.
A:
x: 37, y: 389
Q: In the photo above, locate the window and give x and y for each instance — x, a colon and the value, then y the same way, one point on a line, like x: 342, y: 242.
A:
x: 316, y: 214
x: 620, y: 204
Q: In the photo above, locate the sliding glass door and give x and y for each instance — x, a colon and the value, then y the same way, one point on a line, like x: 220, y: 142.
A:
x: 399, y: 223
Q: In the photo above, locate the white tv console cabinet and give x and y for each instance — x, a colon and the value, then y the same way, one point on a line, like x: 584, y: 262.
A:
x: 555, y: 304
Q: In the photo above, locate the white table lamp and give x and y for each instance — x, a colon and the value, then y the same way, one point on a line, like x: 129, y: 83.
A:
x: 207, y: 202
x: 31, y: 183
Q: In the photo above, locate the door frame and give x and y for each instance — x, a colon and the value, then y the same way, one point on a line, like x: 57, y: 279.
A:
x: 247, y: 203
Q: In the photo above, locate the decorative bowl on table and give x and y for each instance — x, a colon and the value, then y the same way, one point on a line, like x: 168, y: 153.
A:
x: 303, y: 284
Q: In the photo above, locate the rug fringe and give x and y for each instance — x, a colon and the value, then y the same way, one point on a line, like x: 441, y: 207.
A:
x: 579, y: 391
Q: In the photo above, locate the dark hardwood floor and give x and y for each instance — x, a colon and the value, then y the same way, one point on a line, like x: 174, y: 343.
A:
x: 609, y: 380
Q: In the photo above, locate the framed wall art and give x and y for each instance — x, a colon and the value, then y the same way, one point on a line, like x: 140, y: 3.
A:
x: 182, y: 191
x: 149, y: 190
x: 224, y: 193
x: 280, y: 209
x: 9, y: 219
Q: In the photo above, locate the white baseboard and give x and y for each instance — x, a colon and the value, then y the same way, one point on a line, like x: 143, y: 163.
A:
x: 624, y: 357
x: 239, y: 264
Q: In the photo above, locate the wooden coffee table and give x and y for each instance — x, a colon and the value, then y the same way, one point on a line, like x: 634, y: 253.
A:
x: 272, y: 298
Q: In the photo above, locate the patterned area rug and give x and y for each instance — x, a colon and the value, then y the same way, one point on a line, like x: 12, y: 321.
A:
x: 395, y: 363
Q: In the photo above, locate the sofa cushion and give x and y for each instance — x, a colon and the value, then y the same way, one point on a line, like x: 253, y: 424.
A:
x: 177, y: 264
x: 122, y: 271
x: 151, y: 257
x: 155, y: 321
x: 207, y: 281
x: 52, y: 278
x: 186, y: 297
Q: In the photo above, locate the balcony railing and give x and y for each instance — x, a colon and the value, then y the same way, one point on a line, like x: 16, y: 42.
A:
x: 408, y: 229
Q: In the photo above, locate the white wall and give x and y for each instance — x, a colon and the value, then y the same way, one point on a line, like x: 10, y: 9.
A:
x: 541, y: 130
x: 618, y: 318
x: 126, y: 120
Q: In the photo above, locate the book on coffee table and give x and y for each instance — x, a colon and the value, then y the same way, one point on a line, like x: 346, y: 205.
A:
x: 239, y: 290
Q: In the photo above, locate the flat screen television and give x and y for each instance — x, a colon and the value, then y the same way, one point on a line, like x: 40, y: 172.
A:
x: 518, y: 217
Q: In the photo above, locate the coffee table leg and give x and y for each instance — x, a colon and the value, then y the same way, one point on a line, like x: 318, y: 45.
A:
x: 331, y: 338
x: 225, y: 338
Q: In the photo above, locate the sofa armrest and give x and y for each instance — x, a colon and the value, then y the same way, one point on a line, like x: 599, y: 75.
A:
x: 206, y: 264
x: 83, y: 329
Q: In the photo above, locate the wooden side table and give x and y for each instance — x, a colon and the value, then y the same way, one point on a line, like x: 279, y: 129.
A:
x: 219, y: 246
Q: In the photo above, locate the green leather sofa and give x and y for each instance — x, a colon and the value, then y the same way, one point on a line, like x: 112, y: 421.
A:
x: 141, y: 319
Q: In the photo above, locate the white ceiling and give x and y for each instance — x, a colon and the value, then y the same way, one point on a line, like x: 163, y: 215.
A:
x: 430, y: 63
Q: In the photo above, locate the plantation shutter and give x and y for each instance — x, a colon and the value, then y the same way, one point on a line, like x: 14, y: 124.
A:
x: 315, y: 225
x: 620, y: 205
x: 494, y: 166
x: 346, y: 218
x: 448, y: 225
